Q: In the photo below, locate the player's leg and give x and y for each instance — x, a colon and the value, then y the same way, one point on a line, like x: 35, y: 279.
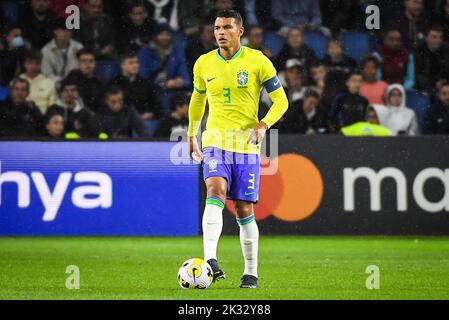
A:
x: 216, y: 176
x: 245, y: 191
x: 249, y: 240
x: 213, y: 215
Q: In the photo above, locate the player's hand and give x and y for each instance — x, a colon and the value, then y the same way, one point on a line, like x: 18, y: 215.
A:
x: 194, y: 150
x: 258, y: 134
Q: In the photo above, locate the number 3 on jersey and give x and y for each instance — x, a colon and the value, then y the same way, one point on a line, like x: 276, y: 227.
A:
x: 227, y: 95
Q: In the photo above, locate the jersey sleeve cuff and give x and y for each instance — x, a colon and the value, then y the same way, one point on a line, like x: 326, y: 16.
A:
x: 199, y: 90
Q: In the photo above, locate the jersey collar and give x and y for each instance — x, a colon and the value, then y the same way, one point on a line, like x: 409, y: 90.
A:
x: 219, y: 56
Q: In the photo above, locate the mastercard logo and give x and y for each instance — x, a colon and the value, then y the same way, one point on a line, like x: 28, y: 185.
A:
x: 292, y: 194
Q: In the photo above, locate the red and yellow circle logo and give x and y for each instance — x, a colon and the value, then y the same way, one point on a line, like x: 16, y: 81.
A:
x: 292, y: 194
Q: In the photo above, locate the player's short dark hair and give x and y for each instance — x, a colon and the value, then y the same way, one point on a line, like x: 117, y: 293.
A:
x: 131, y: 54
x: 367, y: 59
x: 33, y: 55
x: 311, y: 93
x: 230, y: 14
x: 179, y: 99
x: 83, y: 52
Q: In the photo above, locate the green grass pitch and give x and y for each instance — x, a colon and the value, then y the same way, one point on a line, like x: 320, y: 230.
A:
x: 290, y: 268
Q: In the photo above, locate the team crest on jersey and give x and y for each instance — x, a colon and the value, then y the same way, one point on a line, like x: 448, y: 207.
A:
x: 213, y: 165
x: 242, y: 77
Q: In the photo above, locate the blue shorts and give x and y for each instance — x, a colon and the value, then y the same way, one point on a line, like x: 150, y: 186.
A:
x: 242, y: 172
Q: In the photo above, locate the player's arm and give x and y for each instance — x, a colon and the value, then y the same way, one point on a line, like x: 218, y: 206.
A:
x: 196, y: 111
x: 277, y: 95
x: 279, y: 99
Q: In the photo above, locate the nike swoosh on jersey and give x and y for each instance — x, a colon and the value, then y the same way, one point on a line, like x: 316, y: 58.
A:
x: 211, y: 79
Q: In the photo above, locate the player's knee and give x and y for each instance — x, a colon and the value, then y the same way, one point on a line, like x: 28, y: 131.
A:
x: 244, y: 210
x: 216, y: 191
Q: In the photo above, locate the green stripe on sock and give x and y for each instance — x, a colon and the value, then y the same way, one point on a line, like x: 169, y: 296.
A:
x: 215, y: 202
x: 246, y: 222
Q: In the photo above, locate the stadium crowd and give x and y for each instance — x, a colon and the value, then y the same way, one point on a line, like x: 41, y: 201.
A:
x: 126, y: 72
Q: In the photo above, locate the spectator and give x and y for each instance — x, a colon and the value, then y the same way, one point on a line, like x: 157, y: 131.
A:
x: 410, y: 23
x: 59, y: 55
x: 349, y: 107
x: 443, y: 19
x: 326, y: 87
x: 190, y: 16
x: 437, y: 117
x: 319, y: 76
x: 370, y: 127
x: 256, y: 14
x: 396, y: 116
x: 177, y: 123
x: 162, y: 64
x: 396, y: 62
x: 54, y: 124
x: 305, y: 116
x: 372, y: 89
x: 137, y: 31
x: 96, y: 32
x: 12, y: 54
x: 256, y: 40
x: 42, y: 89
x: 220, y: 5
x: 200, y: 45
x: 84, y: 127
x: 295, y: 48
x: 68, y: 103
x: 338, y: 64
x: 89, y: 85
x: 163, y: 12
x: 118, y: 120
x: 36, y: 23
x: 432, y: 61
x: 289, y: 13
x: 18, y: 117
x: 342, y: 15
x: 3, y: 21
x: 138, y: 91
x: 59, y: 6
x: 294, y: 79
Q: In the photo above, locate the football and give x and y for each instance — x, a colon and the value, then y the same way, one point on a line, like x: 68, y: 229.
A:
x: 195, y: 274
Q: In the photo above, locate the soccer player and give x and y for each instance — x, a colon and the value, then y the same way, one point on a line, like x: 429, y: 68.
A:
x: 231, y: 79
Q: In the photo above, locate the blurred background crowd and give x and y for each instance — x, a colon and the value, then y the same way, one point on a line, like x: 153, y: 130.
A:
x: 127, y: 71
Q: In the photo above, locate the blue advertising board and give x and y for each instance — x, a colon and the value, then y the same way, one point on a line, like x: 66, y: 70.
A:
x: 97, y: 189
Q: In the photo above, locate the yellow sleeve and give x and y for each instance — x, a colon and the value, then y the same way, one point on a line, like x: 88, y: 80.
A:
x: 197, y: 102
x: 276, y: 92
x: 268, y: 71
x: 278, y: 109
x: 198, y: 82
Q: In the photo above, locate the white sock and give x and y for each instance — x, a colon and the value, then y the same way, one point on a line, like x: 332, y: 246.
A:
x: 212, y: 227
x: 249, y: 239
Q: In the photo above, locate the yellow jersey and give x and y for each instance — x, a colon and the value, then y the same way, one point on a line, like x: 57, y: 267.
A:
x: 233, y: 89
